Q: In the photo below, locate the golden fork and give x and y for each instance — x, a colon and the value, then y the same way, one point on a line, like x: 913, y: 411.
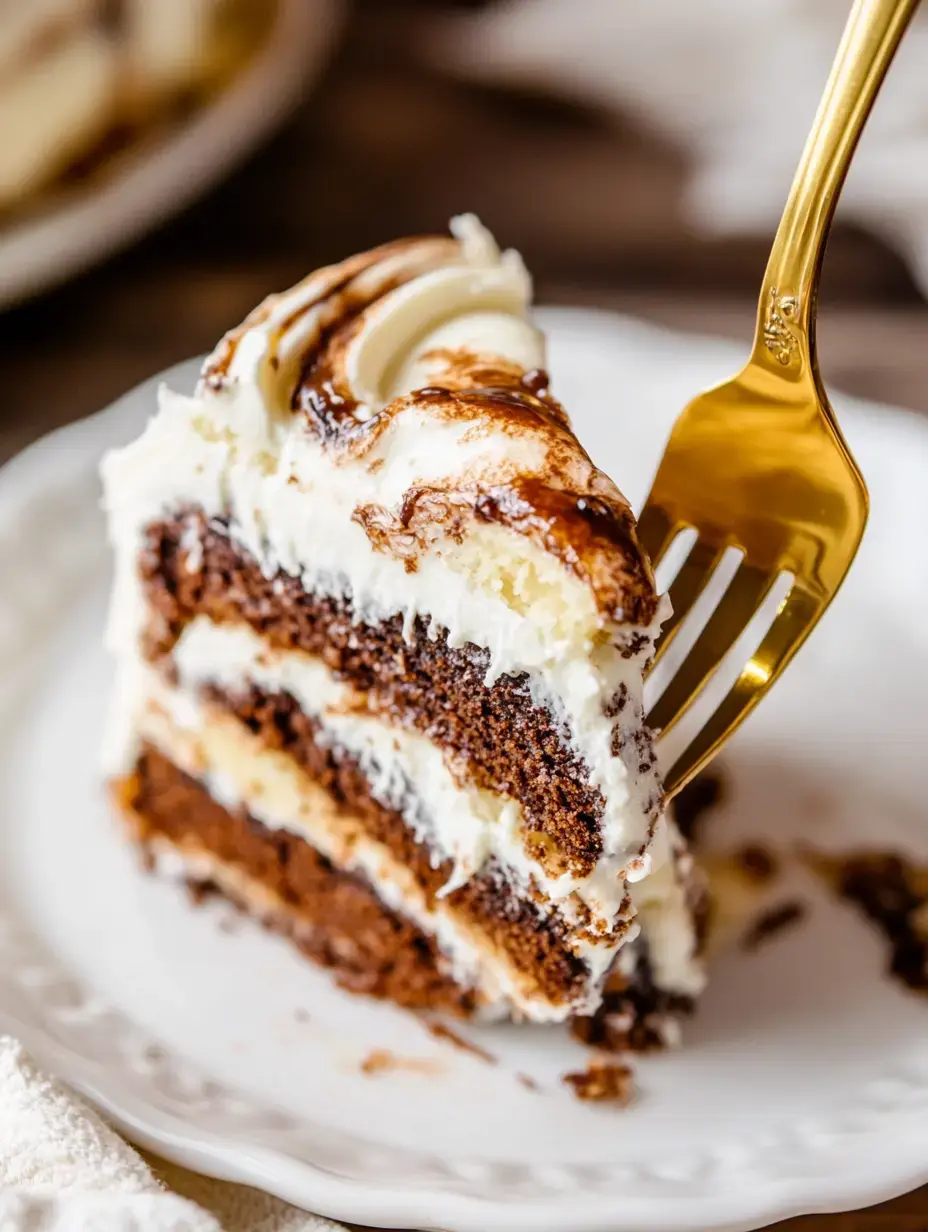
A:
x: 759, y: 463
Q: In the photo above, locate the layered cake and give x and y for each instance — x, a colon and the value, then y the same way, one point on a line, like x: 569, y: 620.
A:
x: 380, y: 628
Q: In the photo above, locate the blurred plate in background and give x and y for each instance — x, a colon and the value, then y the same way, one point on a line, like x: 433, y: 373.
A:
x: 162, y: 173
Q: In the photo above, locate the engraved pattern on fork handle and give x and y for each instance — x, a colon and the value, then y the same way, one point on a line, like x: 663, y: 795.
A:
x: 786, y: 316
x: 780, y: 337
x: 759, y: 461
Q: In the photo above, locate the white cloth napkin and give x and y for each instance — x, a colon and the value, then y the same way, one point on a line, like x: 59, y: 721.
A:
x: 733, y: 83
x: 62, y: 1169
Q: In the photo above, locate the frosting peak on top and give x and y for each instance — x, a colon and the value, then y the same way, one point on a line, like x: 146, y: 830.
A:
x: 418, y: 360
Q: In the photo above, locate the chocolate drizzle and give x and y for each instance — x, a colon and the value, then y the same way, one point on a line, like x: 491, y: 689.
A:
x: 556, y: 498
x: 580, y: 531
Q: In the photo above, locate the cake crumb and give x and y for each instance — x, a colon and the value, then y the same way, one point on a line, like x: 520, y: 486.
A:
x: 603, y: 1082
x: 198, y: 892
x: 892, y: 892
x: 528, y: 1082
x: 771, y: 922
x: 442, y: 1032
x: 382, y: 1061
x: 757, y: 862
x: 377, y: 1061
x: 300, y: 1015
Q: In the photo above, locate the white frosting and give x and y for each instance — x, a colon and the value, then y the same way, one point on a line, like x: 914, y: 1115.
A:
x: 458, y: 822
x: 461, y: 822
x: 499, y: 995
x: 293, y: 509
x: 236, y: 451
x: 662, y: 902
x: 272, y: 789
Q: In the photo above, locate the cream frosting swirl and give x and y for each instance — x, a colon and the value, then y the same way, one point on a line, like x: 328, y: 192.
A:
x: 425, y: 341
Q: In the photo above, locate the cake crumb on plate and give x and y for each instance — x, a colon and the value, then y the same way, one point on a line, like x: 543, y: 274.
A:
x: 603, y: 1082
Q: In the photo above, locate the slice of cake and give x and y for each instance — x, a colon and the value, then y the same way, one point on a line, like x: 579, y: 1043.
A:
x: 380, y: 627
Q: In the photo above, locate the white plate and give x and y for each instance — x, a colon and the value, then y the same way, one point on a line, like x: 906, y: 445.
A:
x: 162, y: 175
x: 803, y: 1083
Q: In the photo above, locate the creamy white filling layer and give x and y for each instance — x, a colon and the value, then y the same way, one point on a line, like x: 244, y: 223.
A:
x: 405, y: 770
x: 465, y: 963
x: 239, y: 773
x: 408, y: 773
x: 494, y: 590
x: 235, y: 452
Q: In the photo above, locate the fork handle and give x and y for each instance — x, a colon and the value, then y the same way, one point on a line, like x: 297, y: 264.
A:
x: 786, y: 318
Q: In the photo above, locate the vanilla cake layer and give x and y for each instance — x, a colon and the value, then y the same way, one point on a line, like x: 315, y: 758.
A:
x: 337, y: 918
x: 509, y: 952
x: 373, y: 523
x: 334, y: 917
x: 275, y: 733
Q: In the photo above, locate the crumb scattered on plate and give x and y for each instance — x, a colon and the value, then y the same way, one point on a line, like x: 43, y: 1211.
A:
x: 743, y: 885
x: 695, y: 801
x: 603, y: 1082
x: 772, y: 922
x: 442, y: 1032
x: 757, y: 862
x: 892, y: 892
x: 382, y: 1061
x: 230, y: 922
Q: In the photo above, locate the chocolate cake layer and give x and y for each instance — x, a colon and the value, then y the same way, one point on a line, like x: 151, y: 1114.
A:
x: 634, y: 1015
x: 511, y: 746
x: 334, y: 917
x: 533, y: 943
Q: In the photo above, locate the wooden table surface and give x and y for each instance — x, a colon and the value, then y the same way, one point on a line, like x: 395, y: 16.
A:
x: 386, y: 147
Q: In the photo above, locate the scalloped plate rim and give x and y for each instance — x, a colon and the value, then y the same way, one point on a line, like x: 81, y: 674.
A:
x: 756, y: 1203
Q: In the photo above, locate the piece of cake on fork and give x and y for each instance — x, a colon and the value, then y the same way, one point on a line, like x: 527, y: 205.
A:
x: 380, y: 628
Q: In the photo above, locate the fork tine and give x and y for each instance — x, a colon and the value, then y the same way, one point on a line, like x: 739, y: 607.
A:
x: 794, y: 621
x: 738, y: 604
x: 685, y: 589
x: 656, y: 532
